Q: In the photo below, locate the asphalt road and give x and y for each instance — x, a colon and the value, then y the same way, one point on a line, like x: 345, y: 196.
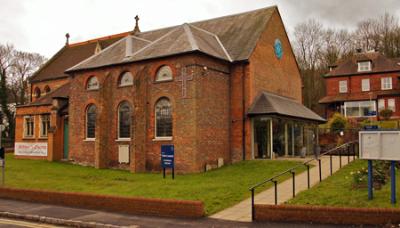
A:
x: 18, y: 224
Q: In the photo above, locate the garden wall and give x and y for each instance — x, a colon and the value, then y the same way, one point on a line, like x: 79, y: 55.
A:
x: 129, y: 205
x: 329, y: 215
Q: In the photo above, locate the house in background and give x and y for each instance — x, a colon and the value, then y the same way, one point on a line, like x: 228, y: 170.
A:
x: 363, y: 85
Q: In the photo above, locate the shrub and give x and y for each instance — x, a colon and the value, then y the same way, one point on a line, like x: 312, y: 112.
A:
x: 386, y: 114
x: 337, y: 123
x: 381, y: 173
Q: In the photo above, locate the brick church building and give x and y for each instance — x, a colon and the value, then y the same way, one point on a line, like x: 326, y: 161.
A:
x: 220, y: 90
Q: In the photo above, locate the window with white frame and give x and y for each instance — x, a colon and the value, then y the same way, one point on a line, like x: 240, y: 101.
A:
x: 126, y: 79
x: 365, y: 84
x: 342, y: 86
x: 92, y: 83
x: 381, y: 104
x: 29, y: 126
x: 392, y: 104
x: 124, y: 120
x: 163, y: 113
x: 360, y: 108
x: 386, y: 83
x: 91, y: 122
x: 364, y: 66
x: 44, y: 125
x: 164, y: 74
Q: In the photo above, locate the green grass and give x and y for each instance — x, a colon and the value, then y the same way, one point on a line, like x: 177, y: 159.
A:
x: 218, y: 189
x: 337, y: 190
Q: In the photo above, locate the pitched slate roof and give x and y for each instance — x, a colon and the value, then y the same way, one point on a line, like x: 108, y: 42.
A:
x: 70, y: 55
x: 271, y: 104
x: 231, y: 38
x: 61, y: 92
x: 380, y: 64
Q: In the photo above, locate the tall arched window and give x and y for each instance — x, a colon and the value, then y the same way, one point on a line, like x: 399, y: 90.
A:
x: 126, y: 79
x: 92, y: 83
x: 91, y: 122
x: 163, y: 112
x: 47, y: 89
x: 124, y: 120
x: 38, y: 93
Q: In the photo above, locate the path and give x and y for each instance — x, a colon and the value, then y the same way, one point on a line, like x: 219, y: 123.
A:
x: 242, y: 211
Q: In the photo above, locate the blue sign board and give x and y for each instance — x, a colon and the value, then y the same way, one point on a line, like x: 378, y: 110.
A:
x: 371, y: 127
x: 167, y: 156
x: 371, y: 113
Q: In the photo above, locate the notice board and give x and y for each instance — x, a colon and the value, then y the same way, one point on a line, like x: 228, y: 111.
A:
x: 380, y: 145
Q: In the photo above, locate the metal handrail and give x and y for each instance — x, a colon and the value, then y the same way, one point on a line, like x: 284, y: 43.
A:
x: 291, y: 170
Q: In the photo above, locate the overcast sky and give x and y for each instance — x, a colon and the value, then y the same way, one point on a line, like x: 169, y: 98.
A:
x: 40, y: 25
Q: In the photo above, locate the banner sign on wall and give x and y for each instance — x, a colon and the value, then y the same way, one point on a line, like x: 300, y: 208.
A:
x: 31, y: 149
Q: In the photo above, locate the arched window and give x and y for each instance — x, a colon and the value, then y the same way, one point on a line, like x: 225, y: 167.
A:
x: 126, y: 79
x: 163, y: 112
x: 92, y: 83
x: 47, y: 89
x: 164, y: 74
x: 124, y: 120
x: 91, y: 122
x: 38, y: 93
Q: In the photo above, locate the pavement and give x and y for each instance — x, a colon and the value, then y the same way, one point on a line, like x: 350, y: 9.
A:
x: 242, y: 211
x: 25, y: 214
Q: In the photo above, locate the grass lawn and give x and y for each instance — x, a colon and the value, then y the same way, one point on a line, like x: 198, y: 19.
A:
x: 337, y: 191
x: 218, y: 189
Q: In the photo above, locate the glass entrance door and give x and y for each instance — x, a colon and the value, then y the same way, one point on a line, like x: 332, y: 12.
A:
x: 262, y: 137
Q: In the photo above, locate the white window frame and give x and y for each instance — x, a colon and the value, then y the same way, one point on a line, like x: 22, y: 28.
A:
x: 365, y: 85
x: 95, y: 87
x: 158, y: 78
x: 86, y: 124
x: 364, y: 66
x: 25, y: 127
x: 121, y: 83
x: 343, y: 88
x: 381, y: 104
x: 162, y: 138
x: 41, y: 126
x: 393, y: 102
x: 386, y: 83
x: 359, y: 108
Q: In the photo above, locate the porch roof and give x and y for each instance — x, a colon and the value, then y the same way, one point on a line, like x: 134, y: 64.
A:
x: 271, y: 104
x: 358, y: 96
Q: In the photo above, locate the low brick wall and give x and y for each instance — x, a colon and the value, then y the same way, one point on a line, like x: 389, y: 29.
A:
x: 329, y: 215
x: 129, y: 205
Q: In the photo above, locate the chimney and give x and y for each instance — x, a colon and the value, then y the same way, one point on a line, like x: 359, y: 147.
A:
x: 67, y: 39
x: 128, y: 46
x: 136, y: 29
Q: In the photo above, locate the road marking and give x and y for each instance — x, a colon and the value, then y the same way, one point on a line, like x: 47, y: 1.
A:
x: 24, y: 224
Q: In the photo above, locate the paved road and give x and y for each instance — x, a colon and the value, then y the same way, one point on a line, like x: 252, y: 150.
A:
x: 75, y: 214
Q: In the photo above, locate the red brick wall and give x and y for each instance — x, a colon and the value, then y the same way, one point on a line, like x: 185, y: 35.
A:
x: 129, y: 205
x: 52, y: 84
x: 329, y: 215
x: 202, y: 113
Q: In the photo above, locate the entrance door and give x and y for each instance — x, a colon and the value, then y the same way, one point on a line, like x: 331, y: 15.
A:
x: 66, y: 139
x: 262, y: 137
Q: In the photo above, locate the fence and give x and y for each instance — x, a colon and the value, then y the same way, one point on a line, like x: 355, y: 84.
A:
x: 348, y: 149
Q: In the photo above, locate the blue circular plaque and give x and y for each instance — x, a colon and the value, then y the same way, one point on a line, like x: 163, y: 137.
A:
x: 278, y: 49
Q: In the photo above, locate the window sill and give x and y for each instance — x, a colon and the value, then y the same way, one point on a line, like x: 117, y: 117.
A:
x: 123, y: 140
x: 89, y: 140
x: 386, y: 88
x: 162, y: 139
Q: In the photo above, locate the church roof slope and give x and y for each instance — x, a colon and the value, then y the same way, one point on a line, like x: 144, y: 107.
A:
x: 70, y: 55
x: 62, y: 91
x: 271, y: 104
x: 230, y: 38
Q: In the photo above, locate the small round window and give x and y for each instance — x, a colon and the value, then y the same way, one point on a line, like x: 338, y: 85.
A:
x: 126, y: 79
x: 164, y: 74
x: 92, y: 83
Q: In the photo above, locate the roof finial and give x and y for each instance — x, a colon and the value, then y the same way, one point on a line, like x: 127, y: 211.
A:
x: 136, y: 29
x: 67, y: 39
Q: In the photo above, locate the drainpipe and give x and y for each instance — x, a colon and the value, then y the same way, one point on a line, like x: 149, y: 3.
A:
x: 244, y: 113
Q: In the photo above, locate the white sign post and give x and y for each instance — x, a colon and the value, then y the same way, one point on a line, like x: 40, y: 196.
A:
x: 380, y: 145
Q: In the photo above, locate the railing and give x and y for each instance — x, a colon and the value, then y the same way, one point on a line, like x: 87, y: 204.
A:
x: 347, y: 147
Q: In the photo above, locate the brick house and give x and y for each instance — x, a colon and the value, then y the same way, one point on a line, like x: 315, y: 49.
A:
x: 362, y: 85
x: 220, y: 90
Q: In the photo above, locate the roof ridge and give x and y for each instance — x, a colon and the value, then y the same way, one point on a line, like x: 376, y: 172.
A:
x: 189, y: 34
x: 99, y: 39
x: 217, y: 38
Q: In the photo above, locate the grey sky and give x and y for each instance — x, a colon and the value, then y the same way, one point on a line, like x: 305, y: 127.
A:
x: 40, y: 26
